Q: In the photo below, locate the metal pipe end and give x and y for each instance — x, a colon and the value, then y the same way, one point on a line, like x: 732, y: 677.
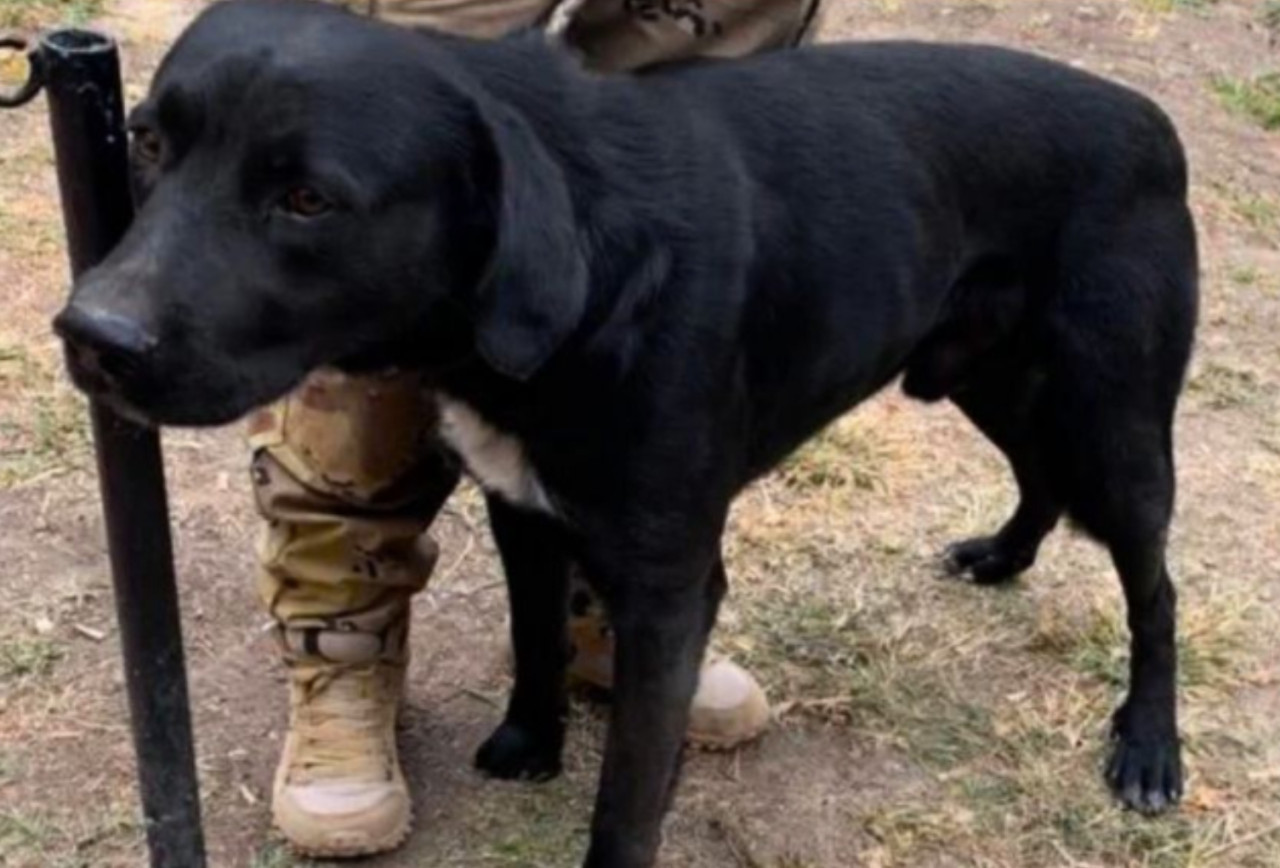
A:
x: 72, y: 41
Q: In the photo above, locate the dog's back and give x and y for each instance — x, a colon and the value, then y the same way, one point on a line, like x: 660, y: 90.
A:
x: 916, y: 206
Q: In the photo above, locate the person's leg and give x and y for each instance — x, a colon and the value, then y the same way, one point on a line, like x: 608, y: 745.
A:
x: 348, y: 478
x: 729, y: 706
x: 345, y: 475
x: 483, y: 19
x: 634, y: 34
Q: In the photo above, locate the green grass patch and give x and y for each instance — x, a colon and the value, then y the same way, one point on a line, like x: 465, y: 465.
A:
x: 813, y: 652
x: 546, y: 828
x: 10, y: 768
x: 1244, y: 275
x: 1259, y: 212
x: 83, y: 840
x: 44, y: 425
x: 1226, y: 388
x: 1093, y: 831
x: 23, y: 838
x: 1255, y: 98
x: 28, y: 658
x: 276, y: 856
x: 841, y: 458
x: 1271, y: 15
x: 1212, y: 637
x: 42, y: 13
x: 1008, y: 738
x: 838, y: 663
x: 1165, y: 6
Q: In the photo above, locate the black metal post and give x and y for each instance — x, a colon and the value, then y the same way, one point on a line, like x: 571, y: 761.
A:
x: 81, y: 76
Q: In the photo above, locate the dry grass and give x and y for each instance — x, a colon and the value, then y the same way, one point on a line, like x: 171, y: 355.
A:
x: 22, y: 14
x: 1002, y: 696
x: 53, y: 841
x: 1005, y: 702
x: 1223, y: 387
x: 43, y: 426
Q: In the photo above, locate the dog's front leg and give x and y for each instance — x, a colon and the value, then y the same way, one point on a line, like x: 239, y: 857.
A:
x: 535, y: 558
x: 661, y: 619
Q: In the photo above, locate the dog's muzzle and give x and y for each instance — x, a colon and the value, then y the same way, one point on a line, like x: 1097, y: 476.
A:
x: 106, y: 352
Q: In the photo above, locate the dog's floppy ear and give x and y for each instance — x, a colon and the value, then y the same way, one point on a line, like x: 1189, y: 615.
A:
x: 536, y: 290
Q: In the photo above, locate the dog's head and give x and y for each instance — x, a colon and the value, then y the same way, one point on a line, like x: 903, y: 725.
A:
x: 318, y: 189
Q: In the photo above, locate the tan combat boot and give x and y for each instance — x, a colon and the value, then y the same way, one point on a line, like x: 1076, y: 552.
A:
x: 339, y: 791
x: 728, y: 709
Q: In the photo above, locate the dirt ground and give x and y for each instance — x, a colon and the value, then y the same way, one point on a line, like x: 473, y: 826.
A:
x: 919, y: 722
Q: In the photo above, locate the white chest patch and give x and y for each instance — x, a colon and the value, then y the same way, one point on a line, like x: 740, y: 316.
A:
x: 496, y: 460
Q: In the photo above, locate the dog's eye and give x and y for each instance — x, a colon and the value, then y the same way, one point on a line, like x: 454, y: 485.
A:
x: 147, y: 146
x: 305, y: 202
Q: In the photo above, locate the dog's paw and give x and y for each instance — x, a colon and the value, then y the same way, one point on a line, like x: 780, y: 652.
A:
x: 1145, y: 771
x: 514, y: 753
x: 986, y: 560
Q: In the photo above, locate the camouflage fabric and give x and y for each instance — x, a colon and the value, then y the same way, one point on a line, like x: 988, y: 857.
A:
x: 618, y: 34
x: 347, y: 475
x: 629, y: 34
x: 346, y: 470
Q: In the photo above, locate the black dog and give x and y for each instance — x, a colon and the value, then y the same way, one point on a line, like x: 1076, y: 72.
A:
x: 637, y: 294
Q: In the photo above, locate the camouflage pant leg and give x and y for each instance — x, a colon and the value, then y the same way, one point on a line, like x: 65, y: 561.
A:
x: 631, y: 34
x: 348, y: 477
x: 619, y: 34
x: 485, y: 19
x: 346, y: 473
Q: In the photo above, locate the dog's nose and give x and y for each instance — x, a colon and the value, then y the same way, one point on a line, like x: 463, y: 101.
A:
x: 113, y: 344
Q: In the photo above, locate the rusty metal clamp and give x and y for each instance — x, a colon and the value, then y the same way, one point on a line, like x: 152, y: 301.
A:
x: 35, y: 72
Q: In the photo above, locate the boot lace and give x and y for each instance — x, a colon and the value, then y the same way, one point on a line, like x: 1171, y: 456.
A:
x: 343, y: 715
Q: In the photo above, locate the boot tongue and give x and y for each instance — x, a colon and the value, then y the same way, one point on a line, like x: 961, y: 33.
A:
x: 341, y: 716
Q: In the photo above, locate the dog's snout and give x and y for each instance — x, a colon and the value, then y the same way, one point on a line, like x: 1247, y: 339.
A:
x: 103, y: 332
x: 110, y: 342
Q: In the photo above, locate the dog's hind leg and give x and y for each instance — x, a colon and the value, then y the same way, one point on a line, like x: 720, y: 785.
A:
x: 1123, y: 494
x: 535, y: 559
x: 1120, y: 335
x: 1003, y: 405
x: 977, y: 357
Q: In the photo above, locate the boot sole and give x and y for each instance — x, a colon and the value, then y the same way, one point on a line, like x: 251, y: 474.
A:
x: 722, y: 745
x: 352, y: 851
x: 597, y: 695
